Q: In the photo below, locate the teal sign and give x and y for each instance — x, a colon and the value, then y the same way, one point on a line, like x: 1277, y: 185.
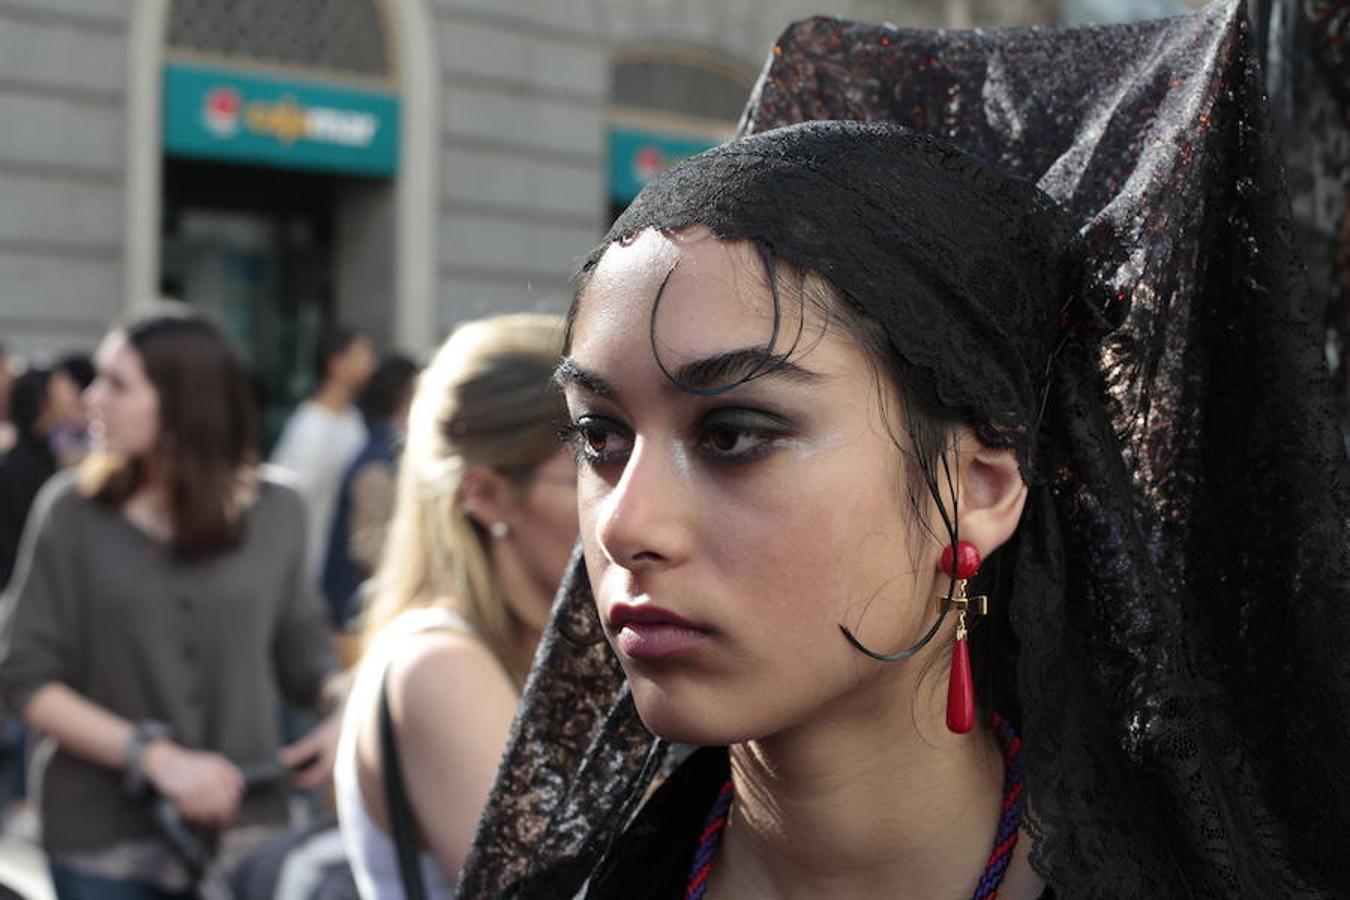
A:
x: 233, y: 116
x: 635, y: 156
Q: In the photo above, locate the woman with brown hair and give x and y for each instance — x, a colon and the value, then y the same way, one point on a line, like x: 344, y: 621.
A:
x: 157, y: 616
x: 483, y: 527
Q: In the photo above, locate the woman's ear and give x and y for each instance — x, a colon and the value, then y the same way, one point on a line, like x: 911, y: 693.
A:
x: 991, y: 493
x: 486, y: 496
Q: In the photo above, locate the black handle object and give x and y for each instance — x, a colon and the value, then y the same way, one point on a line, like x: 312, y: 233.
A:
x: 191, y: 847
x: 195, y: 849
x: 270, y: 771
x: 396, y: 800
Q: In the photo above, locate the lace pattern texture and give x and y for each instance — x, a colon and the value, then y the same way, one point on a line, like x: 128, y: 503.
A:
x: 1178, y: 585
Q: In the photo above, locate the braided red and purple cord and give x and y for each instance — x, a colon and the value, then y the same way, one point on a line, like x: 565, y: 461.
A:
x: 1005, y: 841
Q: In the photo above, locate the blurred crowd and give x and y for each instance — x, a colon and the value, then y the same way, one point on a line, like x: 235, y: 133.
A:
x: 387, y: 569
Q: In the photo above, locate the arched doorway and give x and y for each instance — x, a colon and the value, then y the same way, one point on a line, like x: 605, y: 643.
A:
x: 282, y: 172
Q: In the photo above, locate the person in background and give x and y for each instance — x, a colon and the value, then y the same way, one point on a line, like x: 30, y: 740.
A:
x: 365, y: 501
x: 483, y: 528
x: 40, y: 400
x: 157, y: 614
x: 79, y: 366
x: 325, y: 433
x: 7, y: 436
x: 70, y: 433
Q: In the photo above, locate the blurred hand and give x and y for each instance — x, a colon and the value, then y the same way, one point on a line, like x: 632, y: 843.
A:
x: 310, y: 759
x: 205, y: 787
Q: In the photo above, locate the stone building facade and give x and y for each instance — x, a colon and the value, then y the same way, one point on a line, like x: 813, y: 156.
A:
x: 515, y: 129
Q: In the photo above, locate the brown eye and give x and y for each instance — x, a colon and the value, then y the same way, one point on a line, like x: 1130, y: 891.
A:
x: 723, y: 439
x: 733, y: 436
x: 597, y: 440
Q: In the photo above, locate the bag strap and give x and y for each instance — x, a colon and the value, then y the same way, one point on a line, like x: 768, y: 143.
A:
x: 404, y: 832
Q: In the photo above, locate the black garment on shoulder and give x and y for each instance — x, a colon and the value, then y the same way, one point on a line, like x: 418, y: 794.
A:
x: 24, y: 469
x: 651, y: 859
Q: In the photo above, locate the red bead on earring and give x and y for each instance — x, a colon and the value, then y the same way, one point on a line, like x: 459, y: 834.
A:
x: 967, y: 560
x: 960, y: 684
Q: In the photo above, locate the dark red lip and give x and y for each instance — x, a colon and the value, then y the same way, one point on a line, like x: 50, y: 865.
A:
x: 645, y: 633
x: 621, y: 614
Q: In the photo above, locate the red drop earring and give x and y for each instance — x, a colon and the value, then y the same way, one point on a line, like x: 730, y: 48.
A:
x: 962, y: 565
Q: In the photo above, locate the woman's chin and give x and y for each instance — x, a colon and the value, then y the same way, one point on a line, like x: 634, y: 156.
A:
x: 684, y: 722
x: 677, y: 731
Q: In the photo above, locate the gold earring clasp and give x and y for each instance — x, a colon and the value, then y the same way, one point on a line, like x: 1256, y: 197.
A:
x: 960, y: 602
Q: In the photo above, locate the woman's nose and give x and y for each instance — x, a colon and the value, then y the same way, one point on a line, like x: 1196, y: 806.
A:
x: 646, y: 520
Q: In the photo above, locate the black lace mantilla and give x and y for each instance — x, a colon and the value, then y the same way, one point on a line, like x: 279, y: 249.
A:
x: 914, y: 231
x: 1179, y: 582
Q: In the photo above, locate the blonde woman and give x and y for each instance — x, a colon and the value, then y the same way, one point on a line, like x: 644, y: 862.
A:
x: 483, y: 527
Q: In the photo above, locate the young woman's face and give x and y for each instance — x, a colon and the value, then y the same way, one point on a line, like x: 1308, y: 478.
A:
x: 728, y: 537
x: 123, y: 405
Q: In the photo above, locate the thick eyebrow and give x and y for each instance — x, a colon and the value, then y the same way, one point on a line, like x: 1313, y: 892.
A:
x: 735, y: 367
x: 569, y: 373
x: 727, y: 369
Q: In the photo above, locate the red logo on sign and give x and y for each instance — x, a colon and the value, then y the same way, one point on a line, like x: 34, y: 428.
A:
x: 648, y: 161
x: 220, y: 111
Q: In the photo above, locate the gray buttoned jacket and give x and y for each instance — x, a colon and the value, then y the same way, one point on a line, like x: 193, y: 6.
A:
x: 209, y: 647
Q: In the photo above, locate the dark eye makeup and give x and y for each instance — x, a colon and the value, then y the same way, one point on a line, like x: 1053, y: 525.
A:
x: 727, y: 436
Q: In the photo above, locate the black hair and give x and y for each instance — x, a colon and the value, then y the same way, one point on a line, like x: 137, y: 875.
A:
x: 27, y: 400
x: 334, y: 341
x: 389, y: 389
x: 79, y: 367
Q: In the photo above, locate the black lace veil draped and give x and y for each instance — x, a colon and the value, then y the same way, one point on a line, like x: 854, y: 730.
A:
x: 1180, y: 575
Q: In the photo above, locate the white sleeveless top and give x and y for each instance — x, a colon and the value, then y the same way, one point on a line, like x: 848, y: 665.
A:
x: 370, y: 849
